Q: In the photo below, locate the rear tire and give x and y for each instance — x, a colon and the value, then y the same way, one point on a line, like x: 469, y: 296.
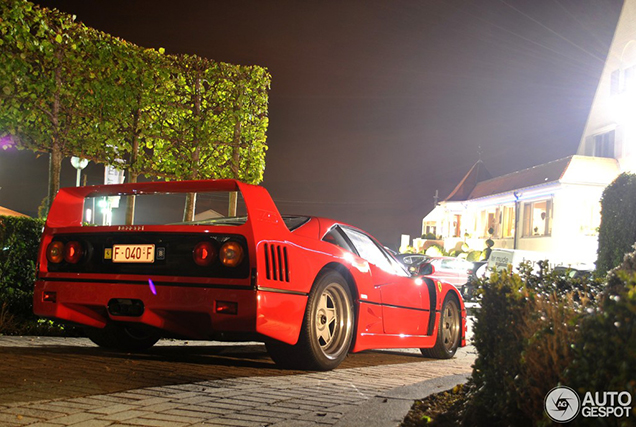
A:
x: 448, y: 331
x: 123, y: 337
x: 327, y: 330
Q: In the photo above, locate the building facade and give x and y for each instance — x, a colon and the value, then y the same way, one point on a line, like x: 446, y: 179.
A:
x: 553, y: 208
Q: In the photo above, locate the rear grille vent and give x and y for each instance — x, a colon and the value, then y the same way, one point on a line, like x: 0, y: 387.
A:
x: 276, y: 266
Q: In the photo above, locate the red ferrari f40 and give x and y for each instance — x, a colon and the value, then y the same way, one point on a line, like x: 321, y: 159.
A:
x: 312, y: 289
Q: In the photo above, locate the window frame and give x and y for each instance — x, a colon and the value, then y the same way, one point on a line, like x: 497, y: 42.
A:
x: 528, y: 218
x: 605, y: 144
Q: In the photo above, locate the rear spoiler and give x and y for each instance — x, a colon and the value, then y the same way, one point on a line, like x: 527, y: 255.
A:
x: 68, y: 206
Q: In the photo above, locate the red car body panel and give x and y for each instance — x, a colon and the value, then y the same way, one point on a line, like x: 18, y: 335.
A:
x: 392, y: 311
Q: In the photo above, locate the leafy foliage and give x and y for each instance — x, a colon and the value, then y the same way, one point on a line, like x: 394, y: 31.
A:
x: 43, y: 81
x: 605, y: 351
x: 523, y: 334
x: 617, y: 232
x: 19, y: 240
x: 68, y: 89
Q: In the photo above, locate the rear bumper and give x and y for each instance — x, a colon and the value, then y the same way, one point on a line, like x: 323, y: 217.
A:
x: 185, y: 311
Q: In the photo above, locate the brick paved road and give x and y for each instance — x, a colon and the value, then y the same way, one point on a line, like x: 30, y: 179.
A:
x: 69, y: 382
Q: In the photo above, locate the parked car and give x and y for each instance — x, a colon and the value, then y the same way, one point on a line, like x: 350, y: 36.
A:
x: 411, y: 261
x: 580, y: 271
x: 477, y: 271
x: 449, y: 269
x: 313, y: 289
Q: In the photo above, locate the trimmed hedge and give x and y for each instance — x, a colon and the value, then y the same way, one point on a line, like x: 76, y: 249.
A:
x: 605, y: 351
x: 19, y: 241
x: 617, y: 232
x: 524, y: 334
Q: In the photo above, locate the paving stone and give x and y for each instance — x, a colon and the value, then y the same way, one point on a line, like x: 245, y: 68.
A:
x: 93, y: 423
x: 226, y: 422
x: 123, y: 416
x: 154, y: 423
x: 295, y: 399
x: 280, y: 410
x: 196, y: 399
x: 253, y: 419
x: 158, y: 407
x: 112, y: 409
x: 44, y: 424
x: 16, y: 419
x: 197, y: 409
x: 75, y: 418
x: 189, y: 419
x: 32, y: 412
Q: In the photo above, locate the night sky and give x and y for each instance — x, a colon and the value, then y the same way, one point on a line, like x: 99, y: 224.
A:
x: 375, y: 105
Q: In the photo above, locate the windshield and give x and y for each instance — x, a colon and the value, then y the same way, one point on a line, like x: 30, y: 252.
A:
x: 209, y: 208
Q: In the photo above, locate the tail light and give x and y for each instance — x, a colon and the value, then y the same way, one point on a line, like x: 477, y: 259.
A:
x: 55, y: 252
x: 73, y: 252
x: 231, y: 254
x: 204, y: 253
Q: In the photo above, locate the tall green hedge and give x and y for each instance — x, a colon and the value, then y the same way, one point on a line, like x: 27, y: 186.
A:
x: 19, y: 240
x: 617, y: 233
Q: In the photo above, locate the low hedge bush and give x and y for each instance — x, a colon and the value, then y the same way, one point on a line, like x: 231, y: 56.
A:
x: 19, y: 241
x: 524, y: 334
x: 604, y: 353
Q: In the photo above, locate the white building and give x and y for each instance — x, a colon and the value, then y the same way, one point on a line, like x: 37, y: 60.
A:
x: 555, y: 207
x: 610, y: 130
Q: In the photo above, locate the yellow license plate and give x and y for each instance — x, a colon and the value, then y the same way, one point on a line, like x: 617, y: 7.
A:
x: 134, y: 253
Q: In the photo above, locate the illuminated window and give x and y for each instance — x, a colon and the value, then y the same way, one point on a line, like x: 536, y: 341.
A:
x: 537, y: 218
x: 488, y: 222
x: 508, y: 221
x: 604, y: 144
x: 630, y: 79
x: 457, y: 226
x: 615, y: 82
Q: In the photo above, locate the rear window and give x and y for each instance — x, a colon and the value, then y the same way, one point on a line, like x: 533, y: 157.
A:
x: 211, y: 208
x: 294, y: 221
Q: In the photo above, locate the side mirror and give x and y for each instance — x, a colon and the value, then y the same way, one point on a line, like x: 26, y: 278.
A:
x: 427, y: 269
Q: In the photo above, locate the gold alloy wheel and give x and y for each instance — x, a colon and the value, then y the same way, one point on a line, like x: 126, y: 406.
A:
x: 450, y: 325
x: 333, y: 320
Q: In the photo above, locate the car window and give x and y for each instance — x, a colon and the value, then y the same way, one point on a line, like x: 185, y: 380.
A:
x: 371, y: 252
x: 449, y: 264
x: 335, y: 237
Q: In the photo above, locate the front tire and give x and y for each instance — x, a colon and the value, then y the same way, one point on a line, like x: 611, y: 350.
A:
x: 448, y: 331
x: 123, y: 337
x: 327, y: 330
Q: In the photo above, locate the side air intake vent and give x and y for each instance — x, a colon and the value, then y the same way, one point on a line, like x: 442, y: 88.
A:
x: 276, y: 267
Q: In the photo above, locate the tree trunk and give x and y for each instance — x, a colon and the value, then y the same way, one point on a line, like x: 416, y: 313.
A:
x: 132, y: 170
x: 55, y: 166
x: 191, y: 198
x: 236, y: 161
x: 130, y: 200
x: 55, y: 157
x: 190, y: 202
x: 233, y: 202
